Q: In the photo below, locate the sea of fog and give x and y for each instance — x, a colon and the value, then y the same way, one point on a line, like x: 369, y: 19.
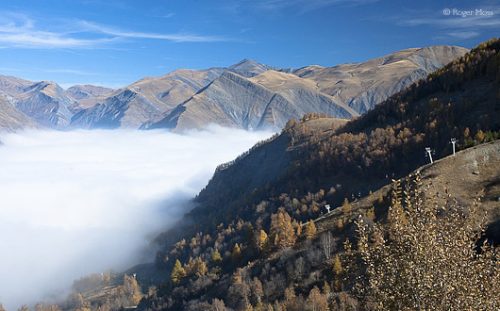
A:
x: 79, y: 202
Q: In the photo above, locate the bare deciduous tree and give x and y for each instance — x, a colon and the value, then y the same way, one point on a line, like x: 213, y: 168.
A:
x: 327, y: 244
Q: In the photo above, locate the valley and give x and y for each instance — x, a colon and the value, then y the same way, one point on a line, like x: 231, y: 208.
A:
x: 265, y: 155
x: 260, y: 235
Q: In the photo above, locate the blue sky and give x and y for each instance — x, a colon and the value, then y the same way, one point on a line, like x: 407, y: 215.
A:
x: 114, y: 43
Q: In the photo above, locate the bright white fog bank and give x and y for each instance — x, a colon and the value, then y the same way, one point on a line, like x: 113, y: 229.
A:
x: 72, y: 203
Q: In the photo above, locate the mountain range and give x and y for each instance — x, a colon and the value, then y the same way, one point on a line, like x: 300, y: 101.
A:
x: 280, y: 227
x: 249, y: 208
x: 246, y: 95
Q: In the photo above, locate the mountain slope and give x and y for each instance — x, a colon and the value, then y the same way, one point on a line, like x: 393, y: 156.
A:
x: 234, y: 101
x: 361, y: 86
x: 45, y: 102
x: 388, y: 141
x: 262, y: 236
x: 12, y: 119
x: 225, y: 96
x: 320, y: 164
x: 249, y: 68
x: 145, y: 100
x: 86, y: 96
x: 195, y: 98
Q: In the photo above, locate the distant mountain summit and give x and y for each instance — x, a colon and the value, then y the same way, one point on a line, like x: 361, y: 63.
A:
x: 146, y: 100
x: 361, y: 86
x: 235, y: 101
x: 256, y: 96
x: 247, y: 95
x: 249, y: 68
x: 43, y: 103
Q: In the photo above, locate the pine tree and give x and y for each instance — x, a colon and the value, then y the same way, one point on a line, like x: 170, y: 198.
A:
x: 310, y: 231
x: 370, y: 214
x: 340, y: 224
x: 178, y: 272
x: 337, y: 266
x: 466, y: 133
x: 317, y: 301
x: 200, y: 267
x: 216, y: 257
x: 346, y: 207
x: 236, y: 254
x: 262, y: 239
x: 479, y: 136
x: 132, y: 289
x: 282, y: 231
x: 326, y: 288
x: 298, y: 229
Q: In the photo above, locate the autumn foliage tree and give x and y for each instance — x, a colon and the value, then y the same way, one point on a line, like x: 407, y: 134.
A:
x: 317, y: 301
x: 310, y: 231
x: 178, y: 272
x: 346, y: 206
x: 262, y: 239
x: 216, y: 256
x: 132, y: 289
x: 200, y: 267
x: 282, y: 230
x: 426, y: 258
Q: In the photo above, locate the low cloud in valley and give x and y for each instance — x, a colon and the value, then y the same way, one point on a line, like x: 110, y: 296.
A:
x: 73, y: 203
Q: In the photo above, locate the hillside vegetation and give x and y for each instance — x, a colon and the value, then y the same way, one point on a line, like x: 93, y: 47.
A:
x: 400, y: 234
x: 252, y: 241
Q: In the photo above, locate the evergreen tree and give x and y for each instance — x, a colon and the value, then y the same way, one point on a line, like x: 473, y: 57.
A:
x: 262, y: 239
x: 346, y: 207
x: 216, y: 257
x: 479, y: 136
x: 178, y: 272
x: 310, y: 231
x: 282, y: 231
x: 236, y: 253
x: 132, y: 289
x: 337, y: 266
x: 200, y: 267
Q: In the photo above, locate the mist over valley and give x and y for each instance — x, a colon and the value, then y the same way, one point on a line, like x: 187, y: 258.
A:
x: 81, y: 202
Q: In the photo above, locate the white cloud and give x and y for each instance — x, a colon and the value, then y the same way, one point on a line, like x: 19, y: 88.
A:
x: 455, y: 21
x: 304, y: 6
x: 21, y: 31
x: 180, y: 37
x: 76, y: 72
x: 463, y: 34
x: 85, y: 201
x: 452, y: 22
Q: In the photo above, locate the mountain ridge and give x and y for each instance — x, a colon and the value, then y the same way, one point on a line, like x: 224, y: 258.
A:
x: 344, y: 91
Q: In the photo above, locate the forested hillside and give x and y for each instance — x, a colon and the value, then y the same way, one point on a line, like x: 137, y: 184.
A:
x: 260, y: 237
x: 256, y: 209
